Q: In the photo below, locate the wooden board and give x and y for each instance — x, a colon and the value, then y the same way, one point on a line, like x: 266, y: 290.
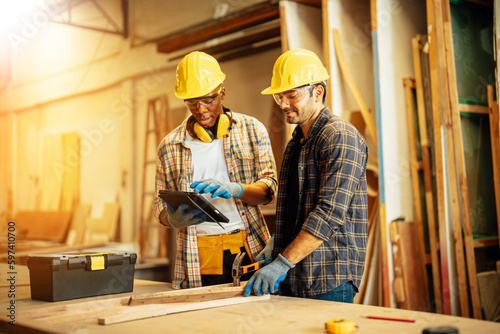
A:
x: 149, y: 311
x: 413, y: 293
x: 438, y: 159
x: 495, y: 147
x: 425, y: 147
x: 42, y: 225
x: 133, y: 307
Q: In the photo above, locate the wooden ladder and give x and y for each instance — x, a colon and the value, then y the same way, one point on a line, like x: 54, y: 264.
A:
x: 152, y: 237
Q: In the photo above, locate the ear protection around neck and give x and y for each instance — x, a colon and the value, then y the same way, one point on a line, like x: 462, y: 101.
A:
x: 222, y: 127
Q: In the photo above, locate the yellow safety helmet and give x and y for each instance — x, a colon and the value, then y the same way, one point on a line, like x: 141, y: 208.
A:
x: 296, y: 68
x: 197, y: 74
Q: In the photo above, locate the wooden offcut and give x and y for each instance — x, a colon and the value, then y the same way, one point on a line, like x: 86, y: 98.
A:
x: 411, y: 290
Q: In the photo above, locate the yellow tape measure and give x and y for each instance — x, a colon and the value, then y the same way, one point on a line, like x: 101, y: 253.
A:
x: 340, y: 326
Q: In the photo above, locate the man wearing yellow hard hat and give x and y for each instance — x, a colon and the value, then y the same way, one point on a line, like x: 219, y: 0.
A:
x: 322, y: 212
x: 224, y: 155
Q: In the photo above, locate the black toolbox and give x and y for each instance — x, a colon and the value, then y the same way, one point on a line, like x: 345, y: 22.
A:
x: 71, y: 275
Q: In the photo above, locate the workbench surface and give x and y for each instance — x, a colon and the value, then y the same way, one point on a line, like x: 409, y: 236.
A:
x: 274, y: 315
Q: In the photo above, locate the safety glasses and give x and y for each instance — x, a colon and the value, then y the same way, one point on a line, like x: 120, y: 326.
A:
x: 292, y: 96
x: 205, y: 101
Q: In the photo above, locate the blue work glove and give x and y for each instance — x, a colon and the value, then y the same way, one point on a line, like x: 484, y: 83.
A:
x: 218, y: 188
x: 180, y: 218
x: 267, y: 252
x: 267, y: 279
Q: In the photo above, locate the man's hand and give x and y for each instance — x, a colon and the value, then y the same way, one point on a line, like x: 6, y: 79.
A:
x: 218, y: 188
x: 267, y: 252
x: 180, y: 218
x: 267, y: 279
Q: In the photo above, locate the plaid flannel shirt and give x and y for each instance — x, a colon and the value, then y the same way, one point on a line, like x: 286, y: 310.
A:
x: 332, y: 193
x: 249, y: 158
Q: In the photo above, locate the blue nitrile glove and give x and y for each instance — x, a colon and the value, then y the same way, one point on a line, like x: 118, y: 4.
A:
x: 218, y: 188
x: 267, y: 252
x: 180, y: 218
x: 267, y: 279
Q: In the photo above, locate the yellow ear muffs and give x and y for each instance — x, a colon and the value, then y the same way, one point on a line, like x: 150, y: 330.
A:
x: 205, y: 135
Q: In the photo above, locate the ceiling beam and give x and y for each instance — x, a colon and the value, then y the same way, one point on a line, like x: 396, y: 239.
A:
x: 245, y: 41
x: 313, y: 3
x: 249, y: 17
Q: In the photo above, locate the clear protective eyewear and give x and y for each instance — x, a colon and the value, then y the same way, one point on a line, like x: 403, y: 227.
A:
x: 292, y: 96
x: 205, y: 101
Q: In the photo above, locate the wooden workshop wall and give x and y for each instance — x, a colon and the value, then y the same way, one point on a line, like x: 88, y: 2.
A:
x: 98, y: 85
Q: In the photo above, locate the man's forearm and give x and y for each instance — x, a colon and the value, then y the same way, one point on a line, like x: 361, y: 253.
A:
x: 256, y: 193
x: 304, y: 244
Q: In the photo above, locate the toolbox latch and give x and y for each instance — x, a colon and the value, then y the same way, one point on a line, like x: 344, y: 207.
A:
x: 96, y: 263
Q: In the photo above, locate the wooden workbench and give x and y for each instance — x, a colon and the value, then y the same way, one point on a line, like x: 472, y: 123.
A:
x: 274, y: 315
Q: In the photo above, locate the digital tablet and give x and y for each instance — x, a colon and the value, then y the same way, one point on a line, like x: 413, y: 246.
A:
x: 195, y: 201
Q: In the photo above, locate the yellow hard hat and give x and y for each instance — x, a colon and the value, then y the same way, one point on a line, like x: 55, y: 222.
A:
x: 197, y: 74
x: 296, y: 68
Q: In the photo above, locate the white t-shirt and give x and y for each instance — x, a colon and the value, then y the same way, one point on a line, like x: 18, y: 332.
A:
x: 208, y: 163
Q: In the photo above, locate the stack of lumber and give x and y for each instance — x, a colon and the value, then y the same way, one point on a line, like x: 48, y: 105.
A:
x: 444, y: 200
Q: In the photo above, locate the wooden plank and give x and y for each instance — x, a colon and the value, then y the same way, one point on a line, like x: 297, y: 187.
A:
x: 76, y: 231
x: 462, y: 107
x: 438, y: 156
x: 460, y: 161
x: 453, y: 166
x: 427, y: 171
x: 188, y: 295
x: 495, y: 147
x: 149, y: 311
x: 408, y: 266
x: 248, y: 17
x: 415, y: 163
x: 487, y: 242
x: 43, y: 225
x: 108, y: 307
